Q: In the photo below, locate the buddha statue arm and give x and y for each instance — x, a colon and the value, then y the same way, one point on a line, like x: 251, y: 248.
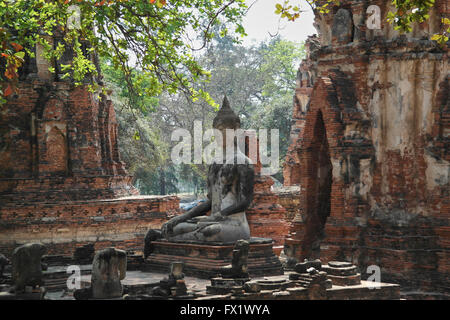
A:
x: 198, y: 210
x: 246, y: 177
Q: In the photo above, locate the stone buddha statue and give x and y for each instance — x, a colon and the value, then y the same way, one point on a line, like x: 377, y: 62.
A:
x: 230, y: 192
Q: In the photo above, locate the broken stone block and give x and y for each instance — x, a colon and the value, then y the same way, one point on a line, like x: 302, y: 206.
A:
x: 303, y: 267
x: 234, y: 276
x: 252, y: 286
x: 26, y: 266
x: 238, y: 267
x: 312, y: 270
x: 83, y: 293
x: 3, y: 262
x: 108, y: 268
x: 173, y: 286
x: 176, y: 270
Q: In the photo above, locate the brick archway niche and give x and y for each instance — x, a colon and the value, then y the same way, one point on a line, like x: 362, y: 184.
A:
x: 318, y: 181
x: 329, y: 161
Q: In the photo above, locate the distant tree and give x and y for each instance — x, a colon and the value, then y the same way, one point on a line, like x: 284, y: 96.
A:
x: 259, y: 82
x: 280, y: 60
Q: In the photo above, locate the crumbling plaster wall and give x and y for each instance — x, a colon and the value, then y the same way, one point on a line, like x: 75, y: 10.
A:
x: 388, y: 130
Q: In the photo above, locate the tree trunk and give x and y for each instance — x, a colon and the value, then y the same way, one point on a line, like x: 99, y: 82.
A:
x: 162, y: 182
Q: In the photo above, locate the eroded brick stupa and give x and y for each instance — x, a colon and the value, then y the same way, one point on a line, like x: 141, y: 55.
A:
x: 62, y: 181
x: 370, y: 148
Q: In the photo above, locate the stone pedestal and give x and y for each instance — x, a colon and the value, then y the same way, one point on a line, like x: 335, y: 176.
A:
x: 206, y: 261
x: 108, y: 268
x: 306, y: 280
x: 270, y: 283
x: 342, y: 273
x: 226, y: 285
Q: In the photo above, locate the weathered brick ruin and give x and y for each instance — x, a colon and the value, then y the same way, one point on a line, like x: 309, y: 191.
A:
x: 371, y: 148
x: 266, y: 216
x: 62, y: 182
x: 366, y: 174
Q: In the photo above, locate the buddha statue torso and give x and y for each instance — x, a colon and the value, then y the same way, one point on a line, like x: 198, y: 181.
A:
x: 226, y: 190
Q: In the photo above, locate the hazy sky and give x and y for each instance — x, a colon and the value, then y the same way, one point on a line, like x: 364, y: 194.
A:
x: 262, y: 20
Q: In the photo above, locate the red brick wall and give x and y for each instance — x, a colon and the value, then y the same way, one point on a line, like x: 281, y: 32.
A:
x: 266, y: 217
x: 59, y: 138
x: 61, y: 179
x: 65, y: 225
x: 411, y: 249
x: 386, y: 116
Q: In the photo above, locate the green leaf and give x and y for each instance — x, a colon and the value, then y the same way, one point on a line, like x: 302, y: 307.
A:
x: 436, y: 37
x: 20, y: 54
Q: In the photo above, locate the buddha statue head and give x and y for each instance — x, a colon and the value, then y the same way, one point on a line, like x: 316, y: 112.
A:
x: 226, y: 119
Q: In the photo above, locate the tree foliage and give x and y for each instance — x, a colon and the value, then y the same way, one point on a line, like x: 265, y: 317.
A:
x: 259, y: 82
x: 158, y: 37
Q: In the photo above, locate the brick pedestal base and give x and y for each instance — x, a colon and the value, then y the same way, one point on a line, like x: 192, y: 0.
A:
x: 205, y: 261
